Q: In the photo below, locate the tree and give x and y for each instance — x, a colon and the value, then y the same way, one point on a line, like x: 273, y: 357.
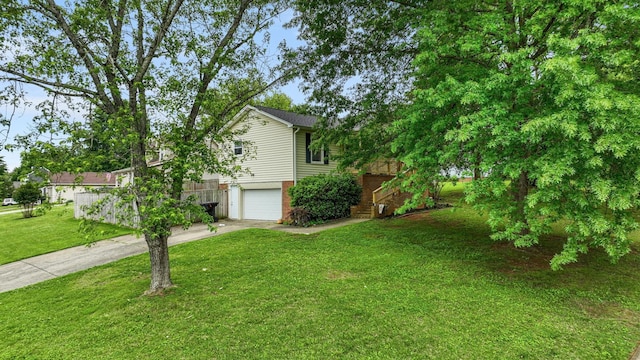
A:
x: 27, y: 195
x: 542, y: 98
x: 275, y: 100
x: 159, y: 72
x: 357, y: 67
x: 6, y: 185
x: 539, y: 100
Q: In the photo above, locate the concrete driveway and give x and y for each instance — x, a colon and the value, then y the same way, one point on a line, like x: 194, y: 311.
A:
x: 48, y: 266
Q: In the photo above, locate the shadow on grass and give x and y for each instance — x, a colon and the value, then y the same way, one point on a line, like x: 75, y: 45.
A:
x: 462, y: 236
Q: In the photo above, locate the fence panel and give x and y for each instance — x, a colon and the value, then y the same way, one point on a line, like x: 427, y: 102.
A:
x: 111, y: 214
x: 211, y: 195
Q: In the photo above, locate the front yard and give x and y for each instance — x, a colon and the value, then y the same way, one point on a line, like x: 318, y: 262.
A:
x: 56, y: 230
x: 425, y: 286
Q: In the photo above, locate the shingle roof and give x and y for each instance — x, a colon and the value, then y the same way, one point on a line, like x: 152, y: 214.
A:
x: 290, y: 117
x: 87, y: 178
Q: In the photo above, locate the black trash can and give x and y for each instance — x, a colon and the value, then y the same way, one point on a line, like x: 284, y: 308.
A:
x: 210, y: 208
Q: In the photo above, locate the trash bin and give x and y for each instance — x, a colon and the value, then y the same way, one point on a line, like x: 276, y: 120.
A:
x: 210, y: 208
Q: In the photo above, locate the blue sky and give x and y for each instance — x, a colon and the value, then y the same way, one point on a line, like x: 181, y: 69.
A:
x: 22, y: 119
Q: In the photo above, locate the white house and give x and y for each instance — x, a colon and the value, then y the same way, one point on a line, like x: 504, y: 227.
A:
x: 63, y: 186
x: 279, y: 141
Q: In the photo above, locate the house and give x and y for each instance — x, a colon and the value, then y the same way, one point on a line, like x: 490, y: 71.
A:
x: 63, y: 186
x: 274, y: 149
x: 280, y: 156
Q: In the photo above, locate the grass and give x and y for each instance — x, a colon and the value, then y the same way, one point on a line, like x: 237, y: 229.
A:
x: 9, y: 208
x: 425, y: 286
x: 56, y: 230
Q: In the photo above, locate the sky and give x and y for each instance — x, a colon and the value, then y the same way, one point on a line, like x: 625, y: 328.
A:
x: 21, y: 123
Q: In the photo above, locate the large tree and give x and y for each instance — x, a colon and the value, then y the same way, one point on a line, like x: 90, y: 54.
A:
x: 357, y: 70
x: 543, y: 99
x: 539, y: 100
x: 161, y: 73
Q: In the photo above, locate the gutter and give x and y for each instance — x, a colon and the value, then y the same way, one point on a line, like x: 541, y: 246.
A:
x: 295, y: 150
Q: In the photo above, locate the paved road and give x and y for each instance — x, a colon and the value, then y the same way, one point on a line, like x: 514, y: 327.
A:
x: 48, y: 266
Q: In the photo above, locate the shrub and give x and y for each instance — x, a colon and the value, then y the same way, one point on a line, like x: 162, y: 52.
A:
x: 299, y: 216
x: 326, y: 197
x: 27, y: 195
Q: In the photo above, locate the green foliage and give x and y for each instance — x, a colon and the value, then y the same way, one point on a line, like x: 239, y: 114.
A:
x: 6, y: 185
x: 28, y: 195
x: 150, y: 76
x: 275, y: 100
x: 326, y: 197
x: 300, y: 216
x: 542, y: 98
x: 357, y: 71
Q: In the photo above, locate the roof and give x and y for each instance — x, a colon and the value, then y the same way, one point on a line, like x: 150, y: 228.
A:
x: 290, y: 117
x: 86, y: 178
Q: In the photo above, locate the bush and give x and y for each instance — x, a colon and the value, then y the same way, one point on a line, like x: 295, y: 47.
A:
x: 326, y: 197
x: 27, y: 195
x: 299, y: 217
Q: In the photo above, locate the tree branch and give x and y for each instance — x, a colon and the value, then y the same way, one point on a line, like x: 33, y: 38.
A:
x: 169, y: 15
x: 208, y: 71
x: 114, y: 51
x: 82, y: 52
x: 235, y: 103
x: 48, y: 85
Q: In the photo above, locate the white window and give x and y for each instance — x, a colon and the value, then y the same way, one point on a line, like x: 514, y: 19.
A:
x: 237, y: 147
x: 317, y: 157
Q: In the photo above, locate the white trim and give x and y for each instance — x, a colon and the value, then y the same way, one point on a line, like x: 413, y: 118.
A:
x: 322, y: 156
x: 235, y: 147
x: 248, y: 108
x: 295, y: 159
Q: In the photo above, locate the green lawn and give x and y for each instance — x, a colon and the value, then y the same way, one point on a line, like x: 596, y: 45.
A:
x: 425, y: 286
x: 57, y: 229
x: 9, y: 208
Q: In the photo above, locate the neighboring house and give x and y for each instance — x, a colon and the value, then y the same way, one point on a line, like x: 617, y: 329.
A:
x: 278, y: 142
x: 63, y: 186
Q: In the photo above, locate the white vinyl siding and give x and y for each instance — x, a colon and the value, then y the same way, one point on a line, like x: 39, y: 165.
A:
x: 269, y: 144
x: 305, y: 169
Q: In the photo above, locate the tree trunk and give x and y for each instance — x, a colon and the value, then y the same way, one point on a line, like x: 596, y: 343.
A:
x: 160, y: 270
x: 477, y: 174
x: 520, y: 197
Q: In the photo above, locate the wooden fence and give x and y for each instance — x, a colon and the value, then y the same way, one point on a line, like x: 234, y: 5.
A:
x: 111, y: 213
x: 108, y: 211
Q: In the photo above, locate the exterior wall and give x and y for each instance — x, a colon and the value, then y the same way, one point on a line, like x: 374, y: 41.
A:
x: 369, y: 184
x: 62, y: 193
x: 286, y: 199
x: 209, y: 176
x: 272, y: 144
x: 123, y: 177
x: 304, y: 169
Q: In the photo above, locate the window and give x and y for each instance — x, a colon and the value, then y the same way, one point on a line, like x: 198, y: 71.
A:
x: 237, y: 147
x: 315, y: 156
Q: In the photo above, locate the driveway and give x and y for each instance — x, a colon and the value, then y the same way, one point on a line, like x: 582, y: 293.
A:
x: 48, y: 266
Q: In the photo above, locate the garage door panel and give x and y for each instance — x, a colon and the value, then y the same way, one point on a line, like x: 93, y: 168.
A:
x: 264, y: 204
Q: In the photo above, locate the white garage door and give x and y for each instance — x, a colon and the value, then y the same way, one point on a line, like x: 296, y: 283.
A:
x: 262, y: 204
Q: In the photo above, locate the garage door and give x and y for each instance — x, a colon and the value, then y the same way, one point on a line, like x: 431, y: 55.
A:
x: 262, y: 204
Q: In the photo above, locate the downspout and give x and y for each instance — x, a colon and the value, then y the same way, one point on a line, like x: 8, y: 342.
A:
x: 295, y: 150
